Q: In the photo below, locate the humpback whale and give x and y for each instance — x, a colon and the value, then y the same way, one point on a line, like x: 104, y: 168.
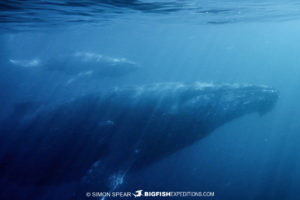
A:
x: 101, y: 137
x: 81, y: 64
x: 89, y: 63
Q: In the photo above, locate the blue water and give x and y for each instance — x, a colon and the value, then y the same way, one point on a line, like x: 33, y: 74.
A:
x: 255, y: 42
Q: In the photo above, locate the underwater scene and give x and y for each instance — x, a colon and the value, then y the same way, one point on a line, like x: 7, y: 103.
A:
x: 149, y: 99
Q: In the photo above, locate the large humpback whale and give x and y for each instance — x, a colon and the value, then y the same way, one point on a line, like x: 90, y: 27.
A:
x: 118, y: 131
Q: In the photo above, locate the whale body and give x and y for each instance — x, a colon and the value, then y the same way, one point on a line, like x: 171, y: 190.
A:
x: 92, y: 65
x: 81, y: 65
x: 120, y: 130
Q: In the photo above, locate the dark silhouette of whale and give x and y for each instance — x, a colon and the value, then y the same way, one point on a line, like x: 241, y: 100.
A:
x: 101, y: 137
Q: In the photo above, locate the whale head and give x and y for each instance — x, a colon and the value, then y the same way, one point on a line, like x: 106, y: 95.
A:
x: 261, y: 99
x: 225, y: 102
x: 208, y: 100
x: 182, y: 114
x: 202, y: 106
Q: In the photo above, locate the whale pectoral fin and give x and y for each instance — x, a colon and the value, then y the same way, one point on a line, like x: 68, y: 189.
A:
x: 100, y: 177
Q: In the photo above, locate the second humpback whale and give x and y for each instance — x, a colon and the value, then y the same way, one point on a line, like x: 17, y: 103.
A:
x: 81, y: 65
x: 103, y: 136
